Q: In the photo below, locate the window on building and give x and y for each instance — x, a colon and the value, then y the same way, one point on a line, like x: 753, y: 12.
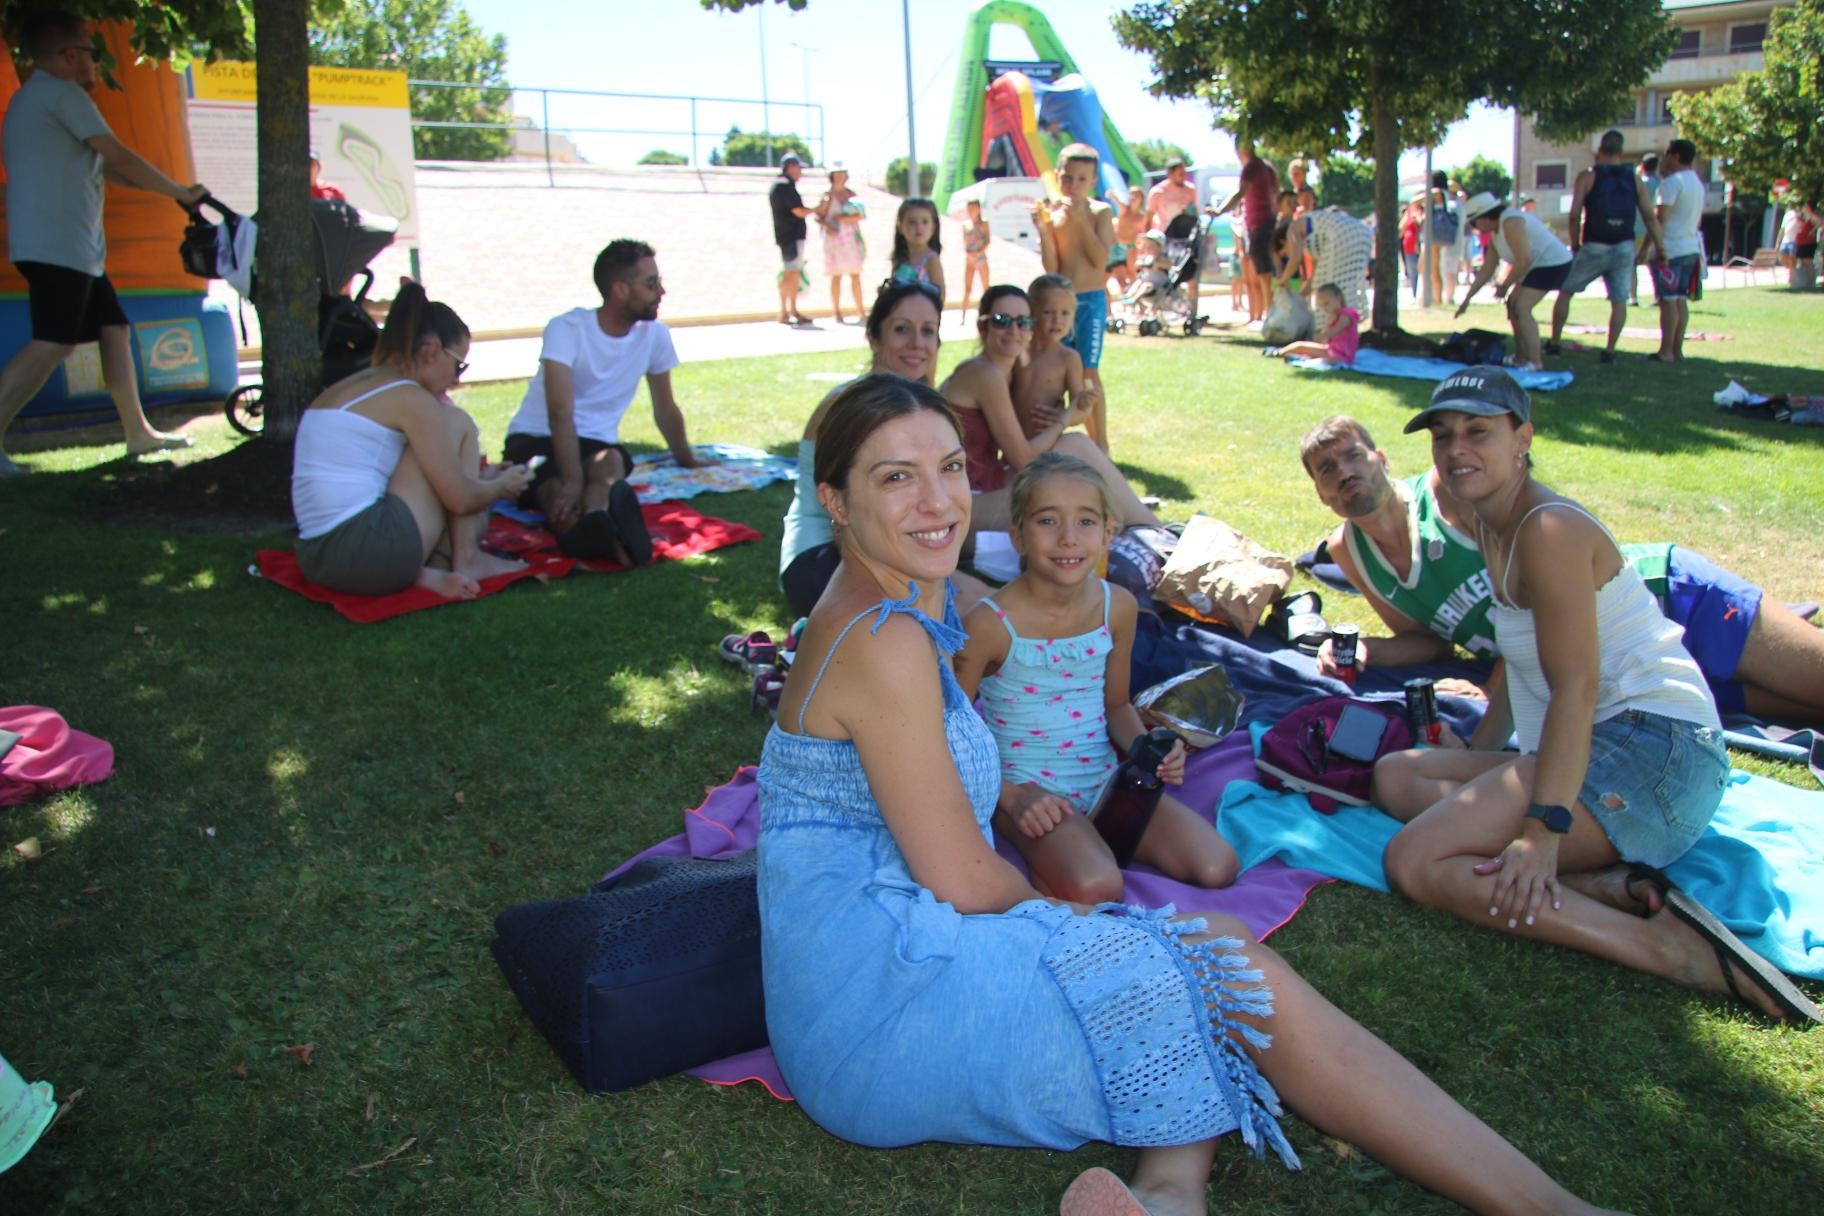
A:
x: 1747, y: 37
x: 1665, y: 108
x: 1550, y: 175
x: 1688, y: 44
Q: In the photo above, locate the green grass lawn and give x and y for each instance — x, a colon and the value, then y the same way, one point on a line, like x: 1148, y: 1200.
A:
x: 314, y: 823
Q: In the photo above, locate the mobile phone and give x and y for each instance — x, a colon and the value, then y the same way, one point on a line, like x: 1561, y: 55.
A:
x: 1358, y: 734
x: 532, y: 464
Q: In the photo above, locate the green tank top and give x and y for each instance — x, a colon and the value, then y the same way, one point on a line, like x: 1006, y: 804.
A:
x: 1447, y: 588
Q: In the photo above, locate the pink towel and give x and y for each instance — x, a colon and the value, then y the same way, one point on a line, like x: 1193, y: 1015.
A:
x: 49, y: 755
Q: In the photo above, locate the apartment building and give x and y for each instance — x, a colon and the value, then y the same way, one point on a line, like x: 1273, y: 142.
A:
x: 1718, y: 41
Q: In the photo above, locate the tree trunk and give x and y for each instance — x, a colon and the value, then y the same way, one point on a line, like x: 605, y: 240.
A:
x: 1386, y: 132
x: 290, y: 360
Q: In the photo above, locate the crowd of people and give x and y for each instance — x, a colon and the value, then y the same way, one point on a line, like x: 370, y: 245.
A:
x: 918, y: 986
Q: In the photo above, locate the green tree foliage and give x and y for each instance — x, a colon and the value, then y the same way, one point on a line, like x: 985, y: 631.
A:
x: 896, y: 177
x: 1376, y: 76
x: 428, y: 40
x: 179, y: 30
x: 659, y: 156
x: 749, y: 147
x: 1347, y: 183
x: 1769, y: 124
x: 1153, y: 153
x: 735, y: 6
x: 1482, y: 174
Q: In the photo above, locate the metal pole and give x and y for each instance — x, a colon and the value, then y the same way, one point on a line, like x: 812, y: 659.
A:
x: 1516, y: 158
x: 545, y: 101
x: 1426, y: 298
x: 766, y: 122
x: 914, y: 179
x: 693, y: 133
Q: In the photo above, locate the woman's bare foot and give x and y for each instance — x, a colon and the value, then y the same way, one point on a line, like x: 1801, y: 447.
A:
x: 483, y: 565
x: 1697, y: 966
x: 156, y: 441
x: 448, y: 583
x: 1097, y: 1192
x: 1620, y: 888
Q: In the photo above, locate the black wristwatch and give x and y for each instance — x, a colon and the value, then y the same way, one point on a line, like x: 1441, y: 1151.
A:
x: 1557, y: 819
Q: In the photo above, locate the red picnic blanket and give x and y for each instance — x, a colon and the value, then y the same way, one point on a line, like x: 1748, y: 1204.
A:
x: 677, y: 532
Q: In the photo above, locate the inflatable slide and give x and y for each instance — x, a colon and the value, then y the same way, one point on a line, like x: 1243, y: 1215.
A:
x: 1008, y: 119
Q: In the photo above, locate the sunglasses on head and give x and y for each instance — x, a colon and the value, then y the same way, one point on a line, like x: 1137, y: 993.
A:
x: 1001, y: 320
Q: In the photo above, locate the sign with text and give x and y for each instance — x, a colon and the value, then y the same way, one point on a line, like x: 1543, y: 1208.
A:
x: 360, y: 127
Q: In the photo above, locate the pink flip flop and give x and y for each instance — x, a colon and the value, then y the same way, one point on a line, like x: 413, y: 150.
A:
x: 1097, y: 1192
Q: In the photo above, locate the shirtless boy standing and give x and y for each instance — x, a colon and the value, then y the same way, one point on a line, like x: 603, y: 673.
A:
x: 1050, y: 385
x: 1075, y: 233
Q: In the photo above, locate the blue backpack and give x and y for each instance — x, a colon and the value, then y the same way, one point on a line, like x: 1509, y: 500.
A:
x: 1443, y: 224
x: 1610, y: 206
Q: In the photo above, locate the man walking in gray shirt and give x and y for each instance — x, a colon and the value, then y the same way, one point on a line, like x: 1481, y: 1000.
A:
x: 58, y: 150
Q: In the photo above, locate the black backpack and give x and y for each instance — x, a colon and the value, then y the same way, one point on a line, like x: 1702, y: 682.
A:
x: 1473, y: 347
x: 1610, y: 206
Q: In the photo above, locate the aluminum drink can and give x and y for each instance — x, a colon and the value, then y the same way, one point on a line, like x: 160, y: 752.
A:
x: 1422, y: 709
x: 1344, y: 640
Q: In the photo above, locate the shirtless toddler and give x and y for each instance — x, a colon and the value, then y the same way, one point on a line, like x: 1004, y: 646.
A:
x: 1050, y: 383
x: 1075, y: 234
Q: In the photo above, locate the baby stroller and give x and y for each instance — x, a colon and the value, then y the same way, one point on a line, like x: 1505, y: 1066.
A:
x: 1184, y: 240
x: 346, y: 241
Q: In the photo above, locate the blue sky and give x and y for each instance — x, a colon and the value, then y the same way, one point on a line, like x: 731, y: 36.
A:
x: 847, y: 55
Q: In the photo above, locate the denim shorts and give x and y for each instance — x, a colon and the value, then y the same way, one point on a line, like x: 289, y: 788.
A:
x: 1653, y: 783
x: 1612, y: 263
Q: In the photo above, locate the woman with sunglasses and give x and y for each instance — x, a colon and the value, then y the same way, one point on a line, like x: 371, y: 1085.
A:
x: 980, y: 390
x: 387, y: 481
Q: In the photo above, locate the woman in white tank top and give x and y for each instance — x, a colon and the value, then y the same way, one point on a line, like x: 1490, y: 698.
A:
x: 1621, y: 762
x: 387, y: 482
x: 1538, y: 263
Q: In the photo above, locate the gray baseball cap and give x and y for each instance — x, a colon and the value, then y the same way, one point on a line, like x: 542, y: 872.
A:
x: 1486, y: 390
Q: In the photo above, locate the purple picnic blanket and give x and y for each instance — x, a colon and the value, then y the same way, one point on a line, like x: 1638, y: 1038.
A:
x: 1265, y: 897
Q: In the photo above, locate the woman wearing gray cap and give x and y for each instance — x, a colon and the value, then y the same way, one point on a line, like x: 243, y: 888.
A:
x: 1537, y: 264
x: 1621, y: 754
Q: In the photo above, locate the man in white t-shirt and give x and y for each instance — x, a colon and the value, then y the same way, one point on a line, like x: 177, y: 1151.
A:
x: 569, y: 424
x: 1681, y: 207
x: 58, y: 152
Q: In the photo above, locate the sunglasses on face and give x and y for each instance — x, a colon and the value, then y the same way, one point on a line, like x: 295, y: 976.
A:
x: 1001, y: 320
x: 461, y: 366
x: 85, y: 49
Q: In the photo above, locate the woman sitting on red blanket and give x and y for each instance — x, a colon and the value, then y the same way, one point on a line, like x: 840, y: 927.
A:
x: 387, y: 481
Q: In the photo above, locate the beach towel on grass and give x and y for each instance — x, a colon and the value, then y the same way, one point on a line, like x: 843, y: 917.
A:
x: 1759, y: 866
x: 48, y: 754
x: 657, y: 478
x: 1372, y: 362
x: 677, y: 532
x: 1264, y: 897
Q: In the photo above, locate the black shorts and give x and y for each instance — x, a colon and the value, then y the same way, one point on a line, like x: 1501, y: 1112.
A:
x: 522, y: 448
x: 807, y: 575
x: 68, y: 306
x: 1260, y: 248
x: 1547, y: 278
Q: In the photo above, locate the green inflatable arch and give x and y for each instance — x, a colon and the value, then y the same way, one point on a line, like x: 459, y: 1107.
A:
x: 963, y: 145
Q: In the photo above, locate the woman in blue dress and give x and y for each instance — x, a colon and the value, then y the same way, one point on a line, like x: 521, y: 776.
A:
x: 918, y: 988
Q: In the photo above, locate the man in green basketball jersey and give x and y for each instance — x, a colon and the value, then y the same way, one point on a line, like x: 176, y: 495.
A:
x: 1409, y: 547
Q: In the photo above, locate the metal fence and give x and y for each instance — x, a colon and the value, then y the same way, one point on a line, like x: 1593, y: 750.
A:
x: 690, y: 109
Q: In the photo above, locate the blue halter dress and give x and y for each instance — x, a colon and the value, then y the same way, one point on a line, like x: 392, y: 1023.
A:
x: 897, y: 1019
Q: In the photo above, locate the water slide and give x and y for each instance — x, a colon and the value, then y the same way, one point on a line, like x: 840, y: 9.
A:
x: 1009, y: 119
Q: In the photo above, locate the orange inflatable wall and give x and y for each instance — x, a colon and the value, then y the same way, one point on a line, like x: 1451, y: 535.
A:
x: 147, y: 115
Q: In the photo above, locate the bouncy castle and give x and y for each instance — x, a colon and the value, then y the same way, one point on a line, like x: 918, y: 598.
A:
x: 183, y: 346
x: 1009, y: 118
